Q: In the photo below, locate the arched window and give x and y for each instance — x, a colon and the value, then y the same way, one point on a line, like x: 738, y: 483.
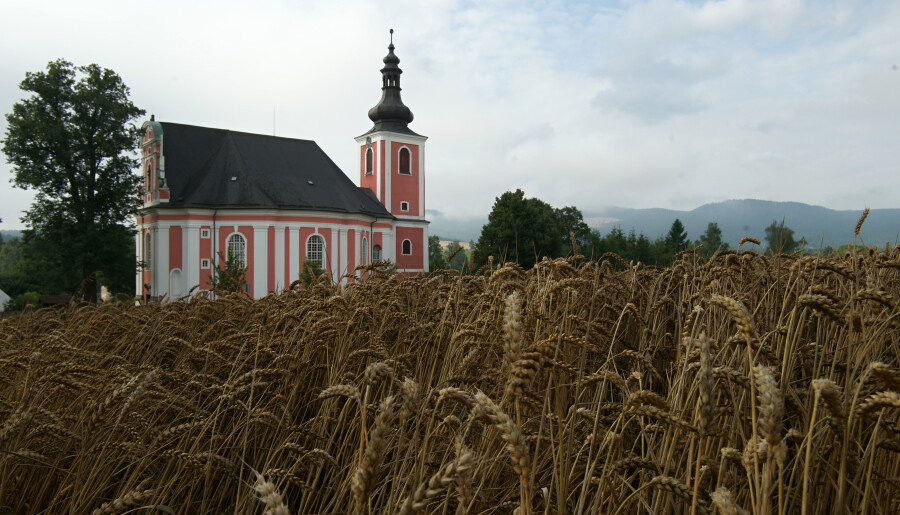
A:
x: 364, y: 248
x: 237, y: 248
x: 406, y: 248
x: 369, y: 161
x: 148, y: 240
x: 376, y: 253
x: 315, y: 250
x: 404, y: 161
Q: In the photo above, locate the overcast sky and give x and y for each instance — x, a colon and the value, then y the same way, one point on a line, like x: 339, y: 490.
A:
x: 635, y: 103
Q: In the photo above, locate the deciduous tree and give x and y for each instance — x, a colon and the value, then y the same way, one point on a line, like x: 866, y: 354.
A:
x: 780, y: 238
x: 519, y: 229
x: 72, y: 141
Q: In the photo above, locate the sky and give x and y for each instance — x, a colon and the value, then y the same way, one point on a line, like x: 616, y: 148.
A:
x: 630, y: 103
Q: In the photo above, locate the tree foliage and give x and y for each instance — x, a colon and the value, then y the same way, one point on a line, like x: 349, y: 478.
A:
x: 230, y: 276
x: 435, y: 253
x: 519, y: 229
x: 780, y: 238
x: 457, y: 256
x: 72, y: 141
x: 572, y: 225
x: 711, y: 240
x: 677, y: 237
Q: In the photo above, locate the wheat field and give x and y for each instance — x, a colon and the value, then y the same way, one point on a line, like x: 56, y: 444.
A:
x: 744, y: 384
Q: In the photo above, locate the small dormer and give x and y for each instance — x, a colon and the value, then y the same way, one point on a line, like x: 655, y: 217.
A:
x: 153, y: 168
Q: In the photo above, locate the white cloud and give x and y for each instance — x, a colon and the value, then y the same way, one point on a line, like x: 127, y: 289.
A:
x: 645, y: 103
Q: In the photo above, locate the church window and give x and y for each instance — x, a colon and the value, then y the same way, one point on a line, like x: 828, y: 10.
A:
x: 204, y: 233
x: 364, y: 260
x: 237, y: 249
x: 315, y: 250
x: 369, y: 161
x: 406, y: 248
x: 376, y: 253
x: 404, y: 206
x: 404, y: 161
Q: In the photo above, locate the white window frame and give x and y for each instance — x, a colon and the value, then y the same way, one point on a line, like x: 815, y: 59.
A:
x: 403, y: 246
x: 205, y: 263
x: 376, y: 253
x: 204, y: 233
x: 404, y: 206
x: 399, y: 151
x: 242, y: 259
x: 321, y: 239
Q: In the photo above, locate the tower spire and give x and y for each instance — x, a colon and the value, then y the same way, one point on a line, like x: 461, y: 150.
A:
x: 390, y: 113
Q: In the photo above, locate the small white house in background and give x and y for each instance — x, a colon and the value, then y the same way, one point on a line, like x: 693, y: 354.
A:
x: 4, y: 298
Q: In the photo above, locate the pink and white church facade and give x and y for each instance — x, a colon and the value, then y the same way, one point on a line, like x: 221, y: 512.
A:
x: 275, y: 203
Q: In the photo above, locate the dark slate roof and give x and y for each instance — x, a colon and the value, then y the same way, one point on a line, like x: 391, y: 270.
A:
x: 218, y: 168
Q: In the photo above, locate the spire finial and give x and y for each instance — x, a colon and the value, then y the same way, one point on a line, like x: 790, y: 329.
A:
x: 392, y: 36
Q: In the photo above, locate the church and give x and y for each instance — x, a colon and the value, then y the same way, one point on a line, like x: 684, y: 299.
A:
x: 275, y: 203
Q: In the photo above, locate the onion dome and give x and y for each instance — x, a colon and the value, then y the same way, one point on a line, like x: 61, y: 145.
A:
x: 390, y: 113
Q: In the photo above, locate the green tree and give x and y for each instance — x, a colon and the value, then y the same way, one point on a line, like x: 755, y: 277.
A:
x: 571, y: 221
x: 72, y: 140
x: 459, y: 259
x: 780, y: 238
x: 519, y: 229
x: 677, y: 237
x: 311, y: 274
x: 711, y: 240
x: 230, y: 276
x: 435, y: 253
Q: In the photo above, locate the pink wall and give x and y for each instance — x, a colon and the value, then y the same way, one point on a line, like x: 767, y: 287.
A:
x: 404, y: 188
x: 351, y: 251
x: 175, y: 248
x: 417, y: 258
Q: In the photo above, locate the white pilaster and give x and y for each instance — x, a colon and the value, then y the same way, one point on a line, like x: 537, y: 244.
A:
x: 333, y: 254
x: 260, y: 262
x: 388, y: 247
x: 190, y: 257
x: 388, y: 154
x: 138, y: 246
x: 279, y: 257
x: 422, y: 184
x: 425, y: 248
x: 294, y: 251
x: 342, y: 265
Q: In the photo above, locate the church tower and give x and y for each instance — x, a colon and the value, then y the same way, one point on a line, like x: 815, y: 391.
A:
x: 392, y: 166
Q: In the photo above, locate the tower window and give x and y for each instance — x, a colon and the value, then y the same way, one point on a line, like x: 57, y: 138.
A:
x: 406, y: 248
x: 315, y: 250
x: 369, y: 161
x: 404, y: 161
x: 404, y: 206
x: 237, y: 250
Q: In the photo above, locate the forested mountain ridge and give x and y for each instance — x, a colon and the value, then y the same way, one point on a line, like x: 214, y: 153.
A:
x: 820, y: 226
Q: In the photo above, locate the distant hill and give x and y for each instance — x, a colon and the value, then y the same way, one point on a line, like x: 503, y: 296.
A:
x: 738, y: 218
x: 8, y: 235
